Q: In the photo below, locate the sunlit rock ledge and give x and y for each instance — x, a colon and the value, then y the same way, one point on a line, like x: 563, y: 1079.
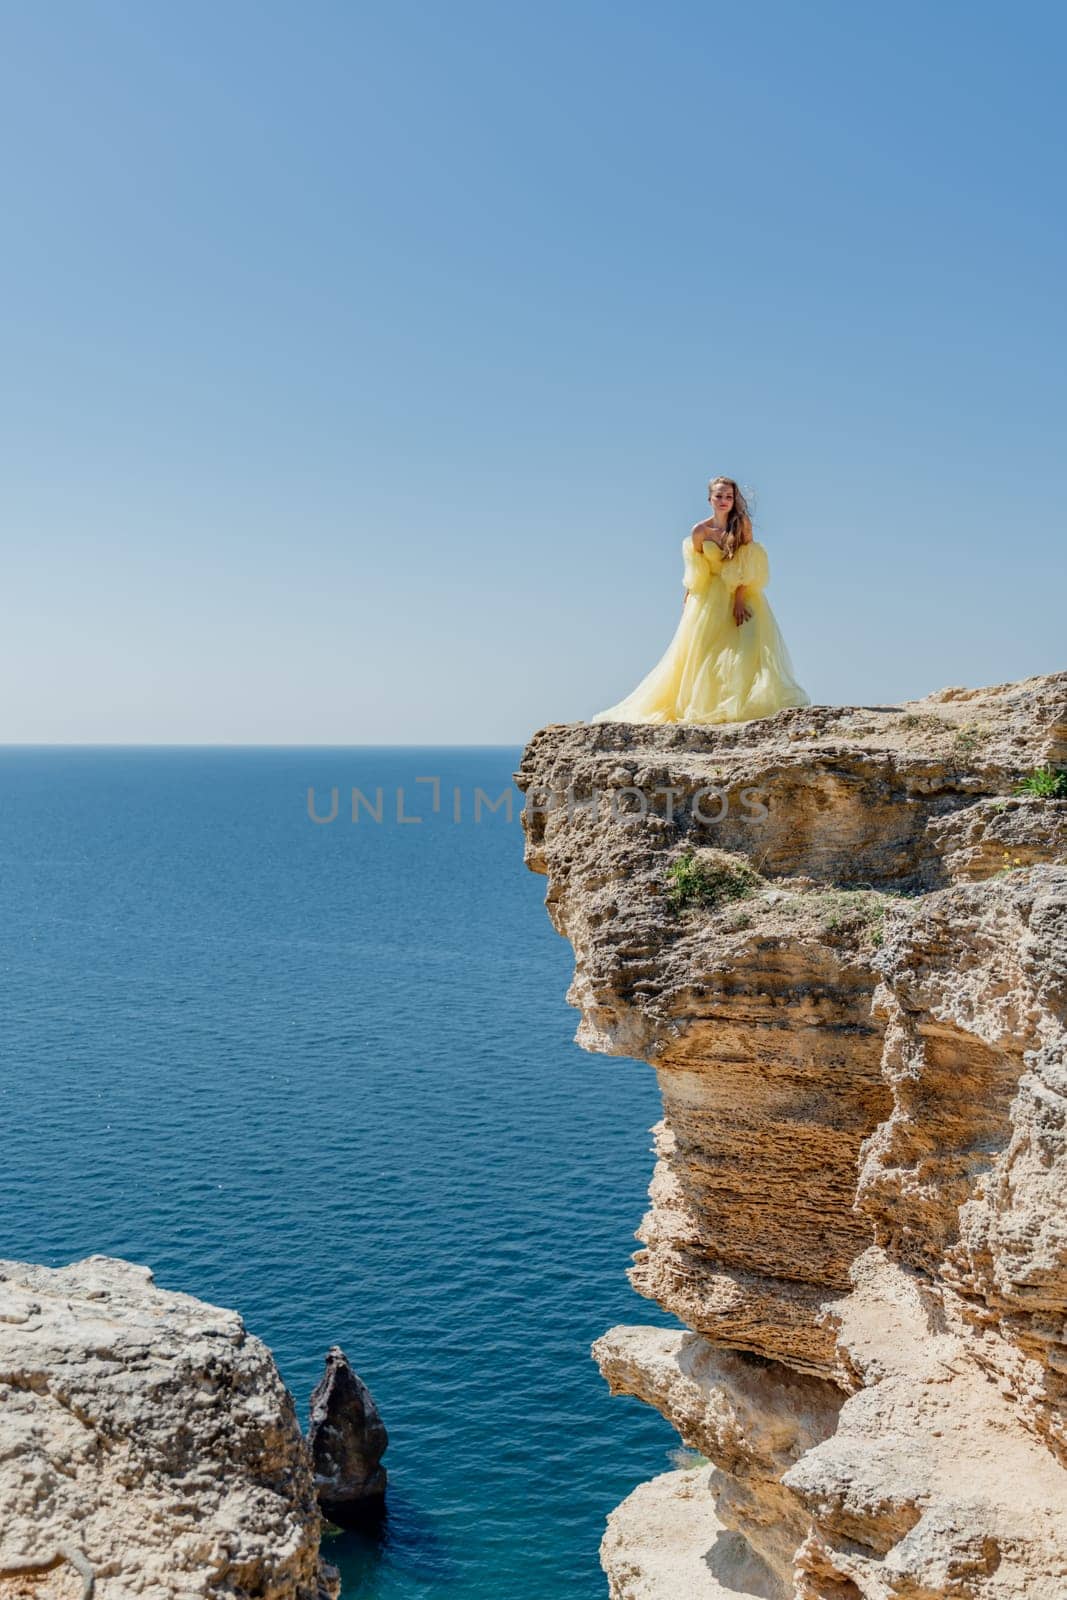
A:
x: 850, y: 979
x: 147, y: 1446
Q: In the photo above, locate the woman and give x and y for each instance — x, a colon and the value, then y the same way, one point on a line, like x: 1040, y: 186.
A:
x: 727, y: 661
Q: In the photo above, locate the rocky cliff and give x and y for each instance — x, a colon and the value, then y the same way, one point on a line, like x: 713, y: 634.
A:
x: 838, y: 937
x: 147, y: 1446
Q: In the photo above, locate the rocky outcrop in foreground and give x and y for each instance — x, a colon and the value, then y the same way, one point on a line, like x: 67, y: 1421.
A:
x: 147, y: 1446
x: 840, y: 938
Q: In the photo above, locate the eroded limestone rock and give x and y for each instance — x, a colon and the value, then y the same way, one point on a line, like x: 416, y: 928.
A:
x: 665, y: 1539
x: 148, y: 1435
x: 860, y: 1194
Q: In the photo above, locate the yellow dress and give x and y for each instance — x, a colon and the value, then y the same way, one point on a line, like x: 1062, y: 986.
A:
x: 714, y: 671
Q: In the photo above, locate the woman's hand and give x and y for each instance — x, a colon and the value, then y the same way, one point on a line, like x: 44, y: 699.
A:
x: 741, y: 611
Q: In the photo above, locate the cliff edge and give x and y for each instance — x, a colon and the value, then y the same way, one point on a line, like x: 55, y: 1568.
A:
x: 838, y: 936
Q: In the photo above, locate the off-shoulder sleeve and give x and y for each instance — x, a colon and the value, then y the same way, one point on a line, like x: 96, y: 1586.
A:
x: 749, y: 567
x: 697, y: 571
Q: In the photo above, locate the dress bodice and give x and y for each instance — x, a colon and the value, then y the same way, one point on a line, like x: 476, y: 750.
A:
x: 748, y: 565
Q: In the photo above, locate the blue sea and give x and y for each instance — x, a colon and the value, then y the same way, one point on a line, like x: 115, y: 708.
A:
x: 324, y: 1072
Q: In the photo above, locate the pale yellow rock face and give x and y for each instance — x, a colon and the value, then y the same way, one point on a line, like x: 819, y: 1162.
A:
x: 859, y: 1205
x: 666, y: 1539
x: 148, y: 1443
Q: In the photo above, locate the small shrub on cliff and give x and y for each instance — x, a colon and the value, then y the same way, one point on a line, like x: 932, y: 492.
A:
x: 856, y: 911
x: 1047, y: 783
x: 967, y: 739
x: 709, y: 878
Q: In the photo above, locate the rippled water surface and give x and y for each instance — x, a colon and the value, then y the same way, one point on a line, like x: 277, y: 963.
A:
x: 325, y: 1074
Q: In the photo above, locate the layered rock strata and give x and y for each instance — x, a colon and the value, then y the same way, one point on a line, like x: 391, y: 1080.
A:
x: 148, y: 1446
x: 838, y: 936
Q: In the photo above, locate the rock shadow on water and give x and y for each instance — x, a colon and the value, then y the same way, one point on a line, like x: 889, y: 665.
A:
x: 402, y: 1542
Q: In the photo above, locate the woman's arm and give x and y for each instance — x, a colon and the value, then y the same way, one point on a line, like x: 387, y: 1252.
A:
x: 747, y: 575
x: 697, y: 538
x: 696, y: 573
x: 742, y: 612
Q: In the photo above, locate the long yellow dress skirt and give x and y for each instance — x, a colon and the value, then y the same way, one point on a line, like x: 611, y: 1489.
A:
x: 714, y: 671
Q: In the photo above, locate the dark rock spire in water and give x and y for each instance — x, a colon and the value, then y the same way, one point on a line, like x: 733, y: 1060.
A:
x: 346, y: 1440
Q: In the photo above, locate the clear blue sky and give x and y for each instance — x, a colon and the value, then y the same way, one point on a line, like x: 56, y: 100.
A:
x: 364, y: 364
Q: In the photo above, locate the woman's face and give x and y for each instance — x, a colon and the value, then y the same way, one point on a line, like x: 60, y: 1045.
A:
x: 721, y: 496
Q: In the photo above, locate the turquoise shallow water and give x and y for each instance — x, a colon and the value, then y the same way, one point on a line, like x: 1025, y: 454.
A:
x: 325, y: 1074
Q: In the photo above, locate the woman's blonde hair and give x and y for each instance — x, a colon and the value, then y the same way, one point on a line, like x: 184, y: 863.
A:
x: 738, y: 523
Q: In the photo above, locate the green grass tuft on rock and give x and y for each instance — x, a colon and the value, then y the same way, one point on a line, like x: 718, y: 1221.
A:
x: 1047, y: 783
x: 710, y: 878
